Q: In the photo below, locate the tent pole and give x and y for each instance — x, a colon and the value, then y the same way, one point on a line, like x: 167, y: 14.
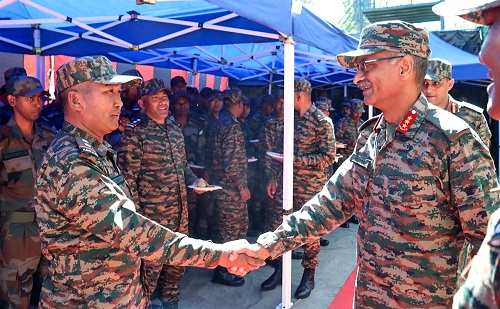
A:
x: 195, y: 72
x: 38, y: 59
x: 289, y: 57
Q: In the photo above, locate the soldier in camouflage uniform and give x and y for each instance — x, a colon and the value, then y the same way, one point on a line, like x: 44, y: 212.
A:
x: 152, y: 156
x: 228, y: 167
x: 324, y: 104
x: 90, y: 230
x: 482, y: 287
x: 437, y: 84
x: 23, y: 142
x: 192, y: 131
x: 419, y: 178
x: 347, y: 129
x: 268, y: 141
x: 314, y: 152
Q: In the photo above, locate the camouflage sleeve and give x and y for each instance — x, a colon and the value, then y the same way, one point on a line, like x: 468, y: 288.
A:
x: 96, y: 204
x: 265, y: 146
x: 325, y: 156
x: 323, y: 213
x: 129, y: 160
x: 472, y: 176
x: 276, y: 166
x: 200, y: 145
x: 483, y: 130
x: 233, y: 153
x: 189, y: 176
x: 340, y: 132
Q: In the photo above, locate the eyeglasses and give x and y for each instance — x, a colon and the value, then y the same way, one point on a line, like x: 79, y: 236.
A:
x: 361, y: 65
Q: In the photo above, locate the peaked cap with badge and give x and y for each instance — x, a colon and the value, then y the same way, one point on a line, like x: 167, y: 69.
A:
x: 438, y: 69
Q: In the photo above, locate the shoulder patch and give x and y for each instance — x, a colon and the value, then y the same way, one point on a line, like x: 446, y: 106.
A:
x: 448, y: 123
x: 134, y: 123
x: 85, y: 147
x: 471, y: 107
x: 370, y: 122
x: 319, y: 115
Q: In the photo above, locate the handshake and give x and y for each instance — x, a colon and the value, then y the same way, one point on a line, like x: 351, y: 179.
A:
x: 240, y: 257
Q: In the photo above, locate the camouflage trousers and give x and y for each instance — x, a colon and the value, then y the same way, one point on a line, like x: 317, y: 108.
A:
x: 19, y: 257
x: 303, y: 190
x: 165, y: 277
x: 205, y: 226
x: 232, y: 214
x: 191, y: 198
x: 255, y: 210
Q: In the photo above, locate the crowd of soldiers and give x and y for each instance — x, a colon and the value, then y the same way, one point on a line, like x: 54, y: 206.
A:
x: 170, y: 138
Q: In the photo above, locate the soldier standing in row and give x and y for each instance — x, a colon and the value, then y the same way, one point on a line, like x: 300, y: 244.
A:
x: 23, y: 142
x: 314, y: 152
x: 192, y: 131
x: 6, y: 110
x: 228, y: 167
x: 152, y: 156
x: 90, y: 230
x: 419, y: 178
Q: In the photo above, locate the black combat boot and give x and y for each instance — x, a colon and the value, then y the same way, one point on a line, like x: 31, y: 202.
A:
x: 222, y: 276
x: 354, y: 219
x: 323, y: 242
x: 272, y: 282
x: 306, y: 284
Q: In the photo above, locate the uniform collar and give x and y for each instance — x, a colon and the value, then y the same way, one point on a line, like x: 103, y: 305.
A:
x: 411, y: 122
x: 101, y: 148
x: 16, y: 131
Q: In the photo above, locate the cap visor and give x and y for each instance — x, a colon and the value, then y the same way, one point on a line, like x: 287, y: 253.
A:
x: 35, y: 92
x: 118, y: 79
x: 452, y: 8
x: 348, y: 60
x: 432, y: 77
x: 156, y: 90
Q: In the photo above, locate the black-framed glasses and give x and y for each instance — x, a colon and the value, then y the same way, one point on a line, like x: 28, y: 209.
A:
x: 361, y: 65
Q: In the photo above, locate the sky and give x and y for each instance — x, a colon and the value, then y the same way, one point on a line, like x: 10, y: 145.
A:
x: 332, y: 11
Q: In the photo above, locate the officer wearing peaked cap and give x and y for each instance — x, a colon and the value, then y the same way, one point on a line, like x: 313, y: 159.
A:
x: 418, y: 178
x: 90, y: 230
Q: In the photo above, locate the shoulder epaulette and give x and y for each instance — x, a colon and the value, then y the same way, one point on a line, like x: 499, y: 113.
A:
x: 319, y: 115
x: 471, y: 106
x: 85, y: 147
x: 47, y: 128
x: 448, y: 123
x: 135, y: 123
x: 369, y: 122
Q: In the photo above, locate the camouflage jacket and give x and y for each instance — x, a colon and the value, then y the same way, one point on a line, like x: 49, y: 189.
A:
x: 19, y: 161
x: 256, y: 122
x: 91, y: 233
x: 347, y: 131
x: 152, y: 157
x: 418, y: 195
x: 245, y: 129
x: 314, y: 145
x: 482, y: 288
x: 193, y: 132
x: 268, y: 142
x: 474, y: 117
x: 228, y: 163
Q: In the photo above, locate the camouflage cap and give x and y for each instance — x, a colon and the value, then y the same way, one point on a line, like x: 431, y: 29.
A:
x: 205, y: 92
x: 323, y: 103
x: 214, y: 94
x: 468, y: 10
x: 15, y: 71
x: 176, y: 80
x: 133, y: 72
x: 438, y: 69
x: 25, y: 86
x: 302, y: 85
x: 179, y: 94
x: 357, y: 105
x: 151, y: 86
x: 279, y: 95
x: 91, y: 68
x: 396, y: 36
x: 246, y: 101
x: 232, y: 96
x: 345, y: 103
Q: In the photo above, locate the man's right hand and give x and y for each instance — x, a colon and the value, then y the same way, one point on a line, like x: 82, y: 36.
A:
x: 271, y: 188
